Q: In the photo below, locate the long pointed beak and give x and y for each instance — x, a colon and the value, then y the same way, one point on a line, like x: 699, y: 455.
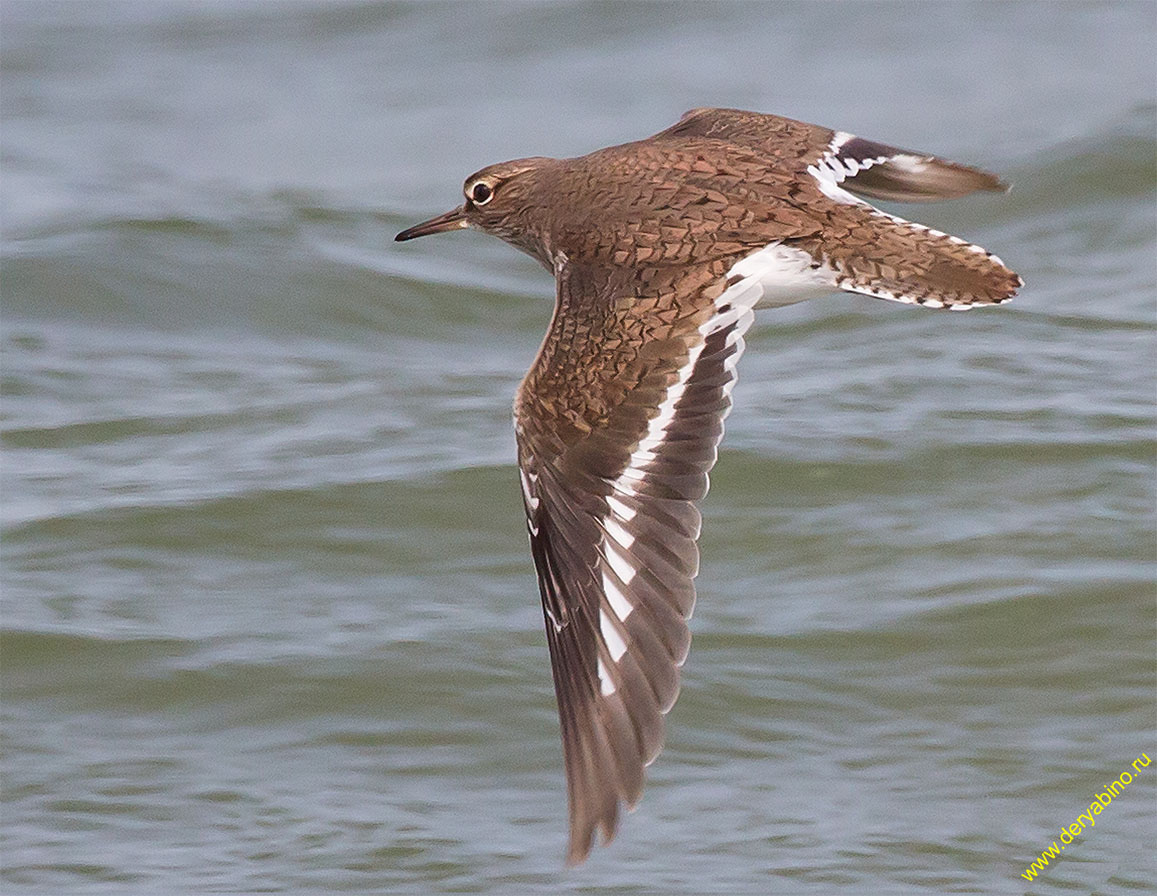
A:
x: 455, y: 219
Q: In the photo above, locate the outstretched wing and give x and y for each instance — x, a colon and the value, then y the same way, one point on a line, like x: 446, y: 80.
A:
x: 865, y: 250
x: 618, y: 423
x: 864, y: 167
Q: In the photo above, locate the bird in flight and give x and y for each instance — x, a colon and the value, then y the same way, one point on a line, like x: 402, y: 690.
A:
x: 661, y: 251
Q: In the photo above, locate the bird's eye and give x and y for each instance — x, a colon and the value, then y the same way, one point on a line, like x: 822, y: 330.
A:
x: 480, y: 193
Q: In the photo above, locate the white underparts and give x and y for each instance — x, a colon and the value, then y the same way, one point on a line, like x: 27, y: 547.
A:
x: 782, y: 275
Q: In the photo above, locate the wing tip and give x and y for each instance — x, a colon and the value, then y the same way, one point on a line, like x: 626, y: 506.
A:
x: 880, y: 171
x: 582, y: 835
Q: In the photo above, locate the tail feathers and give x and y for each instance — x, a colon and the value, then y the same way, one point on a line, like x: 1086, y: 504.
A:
x: 890, y: 258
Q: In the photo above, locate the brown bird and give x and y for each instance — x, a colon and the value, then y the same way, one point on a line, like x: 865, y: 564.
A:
x: 661, y: 249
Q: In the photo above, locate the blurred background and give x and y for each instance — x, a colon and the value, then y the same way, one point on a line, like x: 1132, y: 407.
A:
x: 269, y: 622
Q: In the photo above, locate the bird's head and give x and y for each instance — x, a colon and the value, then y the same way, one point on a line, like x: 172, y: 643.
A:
x: 502, y: 200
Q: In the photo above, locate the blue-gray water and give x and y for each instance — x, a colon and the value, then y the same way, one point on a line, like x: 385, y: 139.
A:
x: 269, y: 620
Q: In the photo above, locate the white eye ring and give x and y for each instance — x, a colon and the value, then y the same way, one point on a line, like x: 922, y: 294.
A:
x: 480, y: 193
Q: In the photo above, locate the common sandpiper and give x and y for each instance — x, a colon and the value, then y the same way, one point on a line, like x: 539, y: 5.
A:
x: 661, y: 251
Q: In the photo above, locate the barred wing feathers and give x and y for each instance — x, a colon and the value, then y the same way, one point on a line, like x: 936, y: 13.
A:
x: 610, y: 482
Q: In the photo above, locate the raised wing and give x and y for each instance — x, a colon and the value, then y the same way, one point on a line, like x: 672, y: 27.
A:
x: 862, y: 166
x: 614, y: 452
x: 865, y: 250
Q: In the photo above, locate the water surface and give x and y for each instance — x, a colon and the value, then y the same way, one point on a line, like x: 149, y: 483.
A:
x: 269, y: 621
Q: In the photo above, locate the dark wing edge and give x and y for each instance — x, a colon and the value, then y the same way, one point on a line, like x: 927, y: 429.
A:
x: 878, y: 171
x: 615, y: 558
x: 865, y: 167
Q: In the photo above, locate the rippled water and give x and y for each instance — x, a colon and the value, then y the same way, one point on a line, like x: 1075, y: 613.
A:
x: 269, y: 621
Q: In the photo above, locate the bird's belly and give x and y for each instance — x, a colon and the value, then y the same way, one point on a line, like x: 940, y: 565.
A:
x: 784, y: 275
